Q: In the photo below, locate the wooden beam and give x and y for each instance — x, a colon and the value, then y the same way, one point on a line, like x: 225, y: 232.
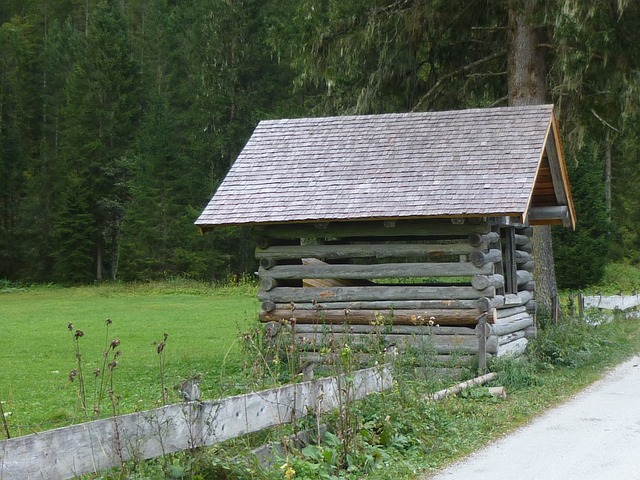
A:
x: 561, y: 213
x: 375, y: 293
x: 366, y: 317
x: 384, y: 270
x: 269, y: 306
x: 367, y: 250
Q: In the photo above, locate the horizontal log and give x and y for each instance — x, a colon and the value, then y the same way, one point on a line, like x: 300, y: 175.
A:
x: 529, y: 286
x: 512, y: 318
x: 267, y: 263
x: 505, y: 327
x: 531, y: 332
x: 560, y: 212
x: 529, y: 266
x: 527, y: 231
x: 522, y: 240
x: 494, y: 342
x: 372, y: 329
x: 385, y: 270
x: 523, y: 277
x: 522, y: 257
x: 477, y: 239
x: 481, y: 282
x: 531, y: 307
x: 368, y: 250
x: 400, y: 228
x: 525, y: 248
x: 375, y: 293
x: 504, y: 301
x: 510, y: 337
x: 365, y: 317
x: 269, y: 306
x: 268, y: 283
x: 507, y: 312
x: 479, y: 259
x: 437, y: 396
x: 439, y: 344
x: 513, y: 349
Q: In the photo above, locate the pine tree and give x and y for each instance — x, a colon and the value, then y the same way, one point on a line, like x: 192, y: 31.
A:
x: 100, y: 120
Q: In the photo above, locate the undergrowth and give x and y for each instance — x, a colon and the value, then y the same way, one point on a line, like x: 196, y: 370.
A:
x: 398, y: 433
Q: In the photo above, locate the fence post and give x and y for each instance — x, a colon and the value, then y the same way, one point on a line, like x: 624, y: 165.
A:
x: 580, y: 305
x: 555, y: 310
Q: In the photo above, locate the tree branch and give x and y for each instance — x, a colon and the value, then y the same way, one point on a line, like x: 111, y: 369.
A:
x: 604, y: 121
x: 459, y: 71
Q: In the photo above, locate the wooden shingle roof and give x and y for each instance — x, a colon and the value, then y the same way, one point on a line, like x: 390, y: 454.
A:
x: 478, y: 162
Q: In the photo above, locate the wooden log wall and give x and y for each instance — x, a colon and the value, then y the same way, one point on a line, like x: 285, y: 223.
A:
x: 512, y: 315
x: 404, y: 274
x: 410, y: 272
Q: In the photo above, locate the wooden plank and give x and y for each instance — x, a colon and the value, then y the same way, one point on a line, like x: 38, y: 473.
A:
x: 376, y: 293
x: 90, y: 447
x: 269, y: 306
x: 365, y: 250
x: 400, y: 228
x: 365, y: 317
x: 385, y: 270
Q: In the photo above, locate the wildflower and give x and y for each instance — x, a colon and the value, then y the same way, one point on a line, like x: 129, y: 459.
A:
x: 70, y: 327
x: 288, y: 470
x: 78, y: 334
x: 114, y: 343
x: 72, y: 375
x: 108, y: 321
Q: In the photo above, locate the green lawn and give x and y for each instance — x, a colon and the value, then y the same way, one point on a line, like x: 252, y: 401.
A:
x: 37, y: 350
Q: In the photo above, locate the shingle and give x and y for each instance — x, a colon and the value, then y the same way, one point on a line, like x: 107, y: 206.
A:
x: 478, y: 162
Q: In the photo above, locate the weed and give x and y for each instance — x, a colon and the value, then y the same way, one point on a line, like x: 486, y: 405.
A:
x: 160, y: 349
x: 103, y: 378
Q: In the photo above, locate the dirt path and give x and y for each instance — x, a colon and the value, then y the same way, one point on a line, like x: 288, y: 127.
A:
x: 595, y: 435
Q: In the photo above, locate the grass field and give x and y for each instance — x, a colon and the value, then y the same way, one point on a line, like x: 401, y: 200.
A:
x: 37, y: 350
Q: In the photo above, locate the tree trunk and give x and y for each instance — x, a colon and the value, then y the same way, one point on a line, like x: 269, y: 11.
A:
x: 526, y: 78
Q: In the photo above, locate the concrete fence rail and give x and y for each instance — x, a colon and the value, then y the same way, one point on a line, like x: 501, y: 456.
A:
x: 613, y: 302
x: 93, y: 446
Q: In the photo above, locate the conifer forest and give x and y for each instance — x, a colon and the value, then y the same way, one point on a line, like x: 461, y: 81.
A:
x: 118, y: 118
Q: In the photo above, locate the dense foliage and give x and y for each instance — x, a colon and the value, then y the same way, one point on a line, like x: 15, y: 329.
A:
x: 119, y: 119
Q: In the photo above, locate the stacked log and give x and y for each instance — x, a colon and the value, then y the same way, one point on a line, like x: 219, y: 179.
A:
x: 405, y: 274
x: 513, y: 314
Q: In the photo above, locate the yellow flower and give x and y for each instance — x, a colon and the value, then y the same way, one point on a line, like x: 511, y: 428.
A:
x: 289, y: 472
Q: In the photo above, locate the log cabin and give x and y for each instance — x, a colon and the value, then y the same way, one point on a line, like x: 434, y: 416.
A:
x: 419, y: 221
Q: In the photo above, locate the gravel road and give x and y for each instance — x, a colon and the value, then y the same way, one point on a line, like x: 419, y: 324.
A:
x: 595, y: 435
